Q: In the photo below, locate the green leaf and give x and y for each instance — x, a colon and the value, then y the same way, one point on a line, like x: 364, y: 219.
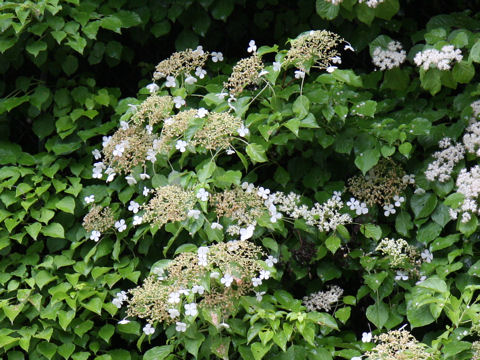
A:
x: 256, y: 152
x: 475, y: 52
x: 43, y: 277
x: 368, y: 159
x: 160, y: 28
x: 365, y: 108
x: 431, y: 80
x: 348, y: 76
x: 469, y: 227
x: 67, y: 204
x: 65, y: 318
x: 463, y: 72
x: 259, y: 350
x: 327, y: 10
x: 301, y: 106
x: 33, y: 230
x: 70, y: 64
x: 158, y: 352
x: 378, y: 314
x: 94, y: 305
x: 35, y: 47
x: 58, y: 35
x: 434, y: 284
x: 371, y: 231
x: 333, y: 243
x: 54, y: 230
x: 47, y: 349
x: 423, y: 205
x: 66, y: 350
x: 106, y: 332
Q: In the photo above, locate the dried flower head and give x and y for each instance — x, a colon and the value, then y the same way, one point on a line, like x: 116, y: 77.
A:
x: 182, y: 62
x: 170, y: 203
x: 398, y: 345
x: 173, y: 128
x: 242, y: 205
x: 153, y: 110
x: 127, y: 148
x: 244, y: 73
x: 217, y: 131
x: 323, y: 300
x: 315, y: 49
x: 99, y: 218
x: 476, y: 350
x: 380, y: 185
x: 400, y: 253
x: 213, y: 278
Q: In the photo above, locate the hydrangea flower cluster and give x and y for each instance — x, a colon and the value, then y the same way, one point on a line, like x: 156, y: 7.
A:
x: 440, y: 59
x: 371, y: 3
x: 392, y: 57
x: 98, y: 220
x: 209, y: 280
x: 445, y: 160
x: 323, y: 300
x: 468, y: 184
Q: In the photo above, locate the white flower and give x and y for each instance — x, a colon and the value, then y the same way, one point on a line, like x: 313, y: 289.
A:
x: 144, y: 176
x: 199, y: 50
x: 216, y: 225
x: 179, y: 101
x: 276, y: 216
x: 247, y: 233
x: 119, y: 149
x: 133, y: 207
x: 243, y: 131
x: 356, y: 358
x: 398, y: 200
x: 353, y: 203
x: 149, y: 129
x: 230, y: 151
x: 124, y: 125
x: 95, y: 235
x: 256, y: 281
x: 200, y: 72
x: 191, y: 309
x: 264, y: 274
x: 401, y: 275
x: 202, y: 260
x: 110, y: 177
x: 419, y: 191
x: 190, y: 80
x: 422, y: 279
x: 106, y: 140
x: 251, y: 46
x: 215, y: 275
x: 146, y: 191
x: 389, y: 58
x: 170, y: 82
x: 89, y: 199
x: 130, y: 180
x: 227, y: 280
x: 222, y: 95
x: 151, y: 155
x: 361, y: 209
x: 148, y: 329
x: 259, y: 295
x: 181, y: 145
x: 263, y: 72
x: 194, y: 213
x: 120, y: 225
x: 331, y: 69
x: 299, y: 74
x: 337, y: 195
x: 389, y: 209
x: 202, y: 112
x: 366, y: 337
x: 202, y: 194
x: 270, y: 261
x: 336, y: 60
x: 198, y: 289
x: 348, y: 47
x: 153, y: 88
x: 277, y: 66
x: 132, y: 108
x: 217, y: 56
x: 203, y: 250
x: 173, y: 298
x: 97, y: 154
x: 174, y: 313
x: 224, y: 325
x: 137, y: 220
x: 263, y: 193
x: 180, y: 326
x: 120, y: 297
x: 427, y: 256
x: 124, y: 321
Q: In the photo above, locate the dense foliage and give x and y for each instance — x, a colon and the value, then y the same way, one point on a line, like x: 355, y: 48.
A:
x: 309, y: 194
